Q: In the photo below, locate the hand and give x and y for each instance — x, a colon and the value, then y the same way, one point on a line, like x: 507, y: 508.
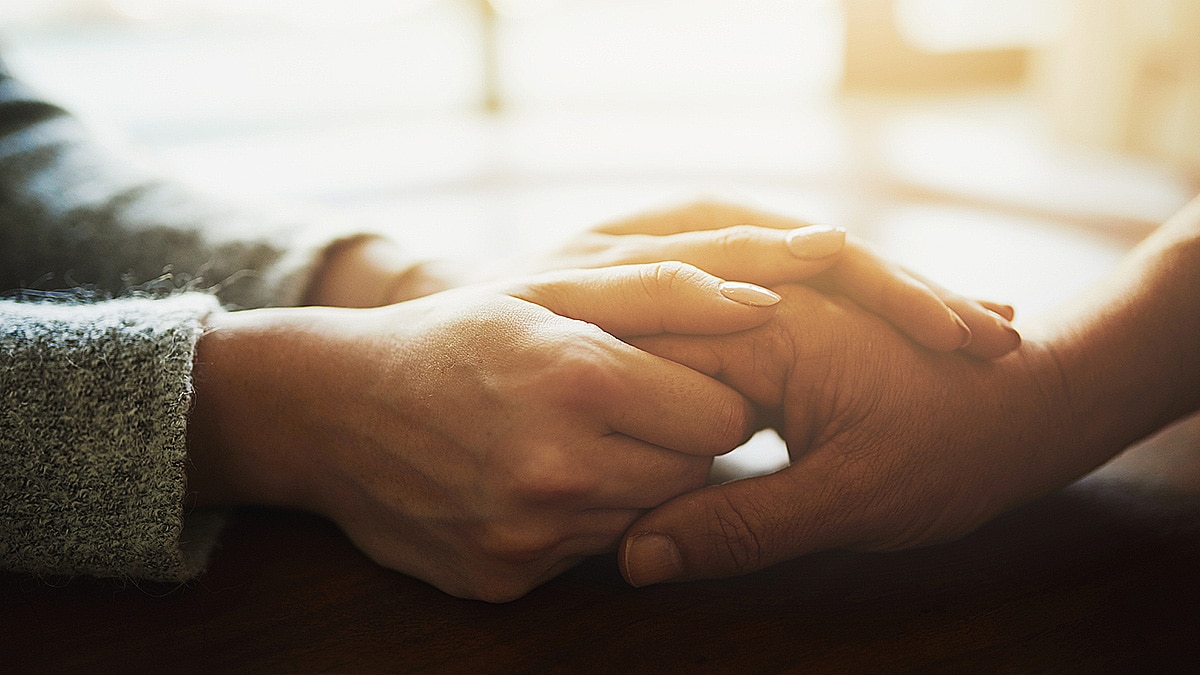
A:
x: 736, y: 242
x: 891, y: 446
x: 483, y: 439
x: 728, y: 241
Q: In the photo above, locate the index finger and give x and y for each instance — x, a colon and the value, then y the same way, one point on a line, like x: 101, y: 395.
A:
x: 649, y: 299
x: 666, y: 404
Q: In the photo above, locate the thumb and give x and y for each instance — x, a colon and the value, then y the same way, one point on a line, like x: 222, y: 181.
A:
x: 671, y: 297
x: 730, y: 529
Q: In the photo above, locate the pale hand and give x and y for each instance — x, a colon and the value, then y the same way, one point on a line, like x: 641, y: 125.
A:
x: 728, y: 241
x: 483, y: 439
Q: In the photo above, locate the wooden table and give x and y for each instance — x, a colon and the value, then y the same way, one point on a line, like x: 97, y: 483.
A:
x: 1101, y: 576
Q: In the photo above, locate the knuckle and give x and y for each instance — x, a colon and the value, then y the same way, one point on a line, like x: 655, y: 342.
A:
x: 546, y: 476
x: 662, y: 279
x: 514, y: 544
x: 579, y: 374
x: 500, y: 588
x: 735, y: 239
x: 738, y: 534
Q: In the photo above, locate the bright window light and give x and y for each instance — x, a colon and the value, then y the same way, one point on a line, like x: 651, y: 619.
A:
x: 708, y: 52
x: 966, y: 25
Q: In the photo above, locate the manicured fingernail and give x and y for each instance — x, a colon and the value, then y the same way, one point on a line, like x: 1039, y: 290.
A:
x: 1012, y: 334
x: 652, y: 559
x: 966, y: 332
x: 816, y: 241
x: 749, y: 294
x: 1000, y: 309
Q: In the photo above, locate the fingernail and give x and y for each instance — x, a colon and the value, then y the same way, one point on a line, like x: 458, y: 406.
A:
x: 1012, y: 334
x: 966, y: 332
x: 651, y: 559
x: 1001, y: 310
x: 816, y: 241
x: 749, y: 294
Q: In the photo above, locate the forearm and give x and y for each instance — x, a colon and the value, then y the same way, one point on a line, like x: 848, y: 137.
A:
x: 254, y: 385
x: 1129, y: 354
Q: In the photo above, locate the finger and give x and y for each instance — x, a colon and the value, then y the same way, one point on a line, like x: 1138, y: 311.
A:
x: 594, y: 531
x: 708, y: 215
x: 992, y: 335
x: 618, y: 471
x: 908, y: 303
x: 698, y: 353
x: 670, y: 405
x: 587, y: 533
x: 536, y: 538
x: 544, y: 546
x: 1003, y: 310
x: 745, y: 252
x: 647, y: 299
x: 739, y: 361
x: 738, y: 527
x: 605, y: 385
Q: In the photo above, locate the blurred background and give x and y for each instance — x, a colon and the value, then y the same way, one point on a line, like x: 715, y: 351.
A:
x: 1013, y: 150
x: 1007, y: 149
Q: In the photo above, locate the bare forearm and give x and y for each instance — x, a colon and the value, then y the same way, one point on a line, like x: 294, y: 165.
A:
x: 1129, y: 353
x: 253, y: 378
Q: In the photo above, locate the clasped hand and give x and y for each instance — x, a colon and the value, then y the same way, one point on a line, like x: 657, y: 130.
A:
x: 486, y: 438
x: 891, y: 445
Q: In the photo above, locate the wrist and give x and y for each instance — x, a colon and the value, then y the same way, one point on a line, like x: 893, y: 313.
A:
x: 238, y: 452
x: 1122, y: 379
x: 207, y: 467
x: 1046, y: 417
x: 1127, y: 353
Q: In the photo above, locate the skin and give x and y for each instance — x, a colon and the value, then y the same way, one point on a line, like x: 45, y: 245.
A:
x: 729, y: 241
x: 893, y: 446
x: 483, y: 439
x: 488, y: 437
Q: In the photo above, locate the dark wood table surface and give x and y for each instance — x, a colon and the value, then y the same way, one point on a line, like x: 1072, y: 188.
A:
x: 1103, y: 576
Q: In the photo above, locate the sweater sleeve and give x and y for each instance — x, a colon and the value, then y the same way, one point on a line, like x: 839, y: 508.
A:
x: 74, y: 212
x: 93, y: 410
x: 94, y: 397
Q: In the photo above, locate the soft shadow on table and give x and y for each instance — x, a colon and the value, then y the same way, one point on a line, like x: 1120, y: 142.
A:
x: 1100, y: 576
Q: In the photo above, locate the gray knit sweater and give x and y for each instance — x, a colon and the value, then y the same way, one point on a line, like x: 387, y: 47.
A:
x: 93, y: 411
x: 94, y: 395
